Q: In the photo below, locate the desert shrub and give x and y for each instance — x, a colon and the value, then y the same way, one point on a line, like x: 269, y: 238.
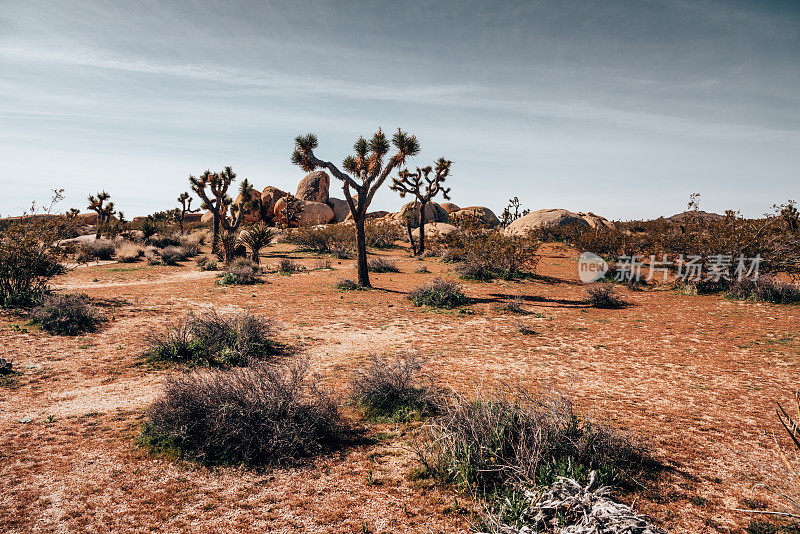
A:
x: 323, y: 264
x: 67, y: 315
x: 764, y: 290
x: 422, y: 270
x: 241, y: 271
x: 128, y: 252
x: 513, y: 306
x: 395, y: 388
x: 288, y: 266
x: 152, y: 255
x: 516, y: 437
x: 161, y: 241
x: 604, y: 296
x: 381, y: 234
x: 206, y: 263
x: 190, y: 246
x: 171, y: 255
x: 439, y: 293
x: 336, y: 239
x: 97, y: 249
x: 348, y: 285
x: 382, y: 265
x: 484, y: 255
x: 214, y: 339
x: 255, y: 416
x: 29, y: 258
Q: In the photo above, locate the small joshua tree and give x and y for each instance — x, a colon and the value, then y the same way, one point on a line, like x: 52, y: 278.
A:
x: 218, y: 201
x: 186, y: 207
x: 790, y: 216
x: 290, y: 211
x: 424, y: 188
x: 255, y: 238
x: 104, y: 211
x: 367, y: 173
x: 512, y: 213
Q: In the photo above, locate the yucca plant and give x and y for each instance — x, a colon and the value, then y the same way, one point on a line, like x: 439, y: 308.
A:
x: 255, y: 238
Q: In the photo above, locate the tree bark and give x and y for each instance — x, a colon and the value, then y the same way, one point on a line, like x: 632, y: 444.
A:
x: 421, y: 248
x: 215, y: 238
x: 361, y: 247
x: 411, y: 237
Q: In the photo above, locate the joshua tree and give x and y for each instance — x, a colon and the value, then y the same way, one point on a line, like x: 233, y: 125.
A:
x: 510, y: 216
x: 186, y: 207
x: 790, y: 216
x: 104, y: 211
x: 367, y: 173
x: 291, y: 210
x: 217, y: 184
x: 424, y: 188
x: 72, y: 213
x: 255, y: 238
x: 227, y: 215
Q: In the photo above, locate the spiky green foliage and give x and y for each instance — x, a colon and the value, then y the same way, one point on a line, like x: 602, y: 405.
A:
x: 365, y: 172
x: 255, y: 238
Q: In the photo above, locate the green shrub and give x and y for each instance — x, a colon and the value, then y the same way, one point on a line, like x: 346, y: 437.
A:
x: 439, y: 293
x: 67, y: 315
x: 241, y: 271
x: 348, y: 285
x: 336, y: 239
x: 484, y: 255
x: 395, y: 388
x: 254, y: 416
x: 216, y: 340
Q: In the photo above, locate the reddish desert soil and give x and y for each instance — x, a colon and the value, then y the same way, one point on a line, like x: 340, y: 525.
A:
x: 695, y: 376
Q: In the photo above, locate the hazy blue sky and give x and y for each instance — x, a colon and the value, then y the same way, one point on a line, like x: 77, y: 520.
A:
x: 621, y: 108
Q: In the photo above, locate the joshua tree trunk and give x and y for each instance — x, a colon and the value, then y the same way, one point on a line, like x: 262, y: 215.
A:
x: 99, y: 226
x: 421, y: 247
x: 361, y: 246
x: 215, y: 237
x: 411, y: 237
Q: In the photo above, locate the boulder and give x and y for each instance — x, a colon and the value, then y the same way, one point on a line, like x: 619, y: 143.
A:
x: 207, y: 218
x: 192, y: 217
x: 449, y: 207
x: 314, y: 187
x: 269, y: 196
x: 556, y: 218
x: 483, y: 215
x: 250, y: 216
x: 341, y: 211
x: 311, y: 213
x: 372, y: 215
x: 434, y: 229
x: 433, y: 213
x: 87, y: 218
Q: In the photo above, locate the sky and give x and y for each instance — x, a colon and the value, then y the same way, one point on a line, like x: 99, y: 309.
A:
x: 622, y: 108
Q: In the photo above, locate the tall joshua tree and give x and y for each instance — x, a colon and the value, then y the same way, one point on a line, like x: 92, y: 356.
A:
x: 365, y: 173
x: 186, y: 207
x: 104, y: 211
x: 218, y: 200
x: 424, y: 187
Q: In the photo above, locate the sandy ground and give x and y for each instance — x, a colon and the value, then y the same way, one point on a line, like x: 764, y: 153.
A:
x: 695, y: 376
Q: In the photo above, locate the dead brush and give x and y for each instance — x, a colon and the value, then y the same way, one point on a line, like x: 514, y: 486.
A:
x: 254, y: 416
x: 514, y: 436
x: 513, y: 305
x: 382, y: 265
x: 288, y: 266
x: 604, y: 296
x: 395, y: 388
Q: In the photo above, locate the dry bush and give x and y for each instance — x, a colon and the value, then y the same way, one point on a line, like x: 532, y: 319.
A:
x: 67, y: 315
x: 382, y: 265
x: 206, y: 263
x: 439, y: 293
x: 513, y: 436
x: 604, y: 296
x: 395, y: 387
x: 129, y: 252
x: 29, y: 258
x: 764, y: 290
x: 485, y: 255
x: 288, y: 266
x: 256, y: 416
x: 348, y: 285
x: 96, y: 249
x: 381, y: 234
x: 241, y: 271
x: 217, y: 340
x: 336, y: 239
x: 152, y: 255
x: 171, y: 255
x: 164, y: 240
